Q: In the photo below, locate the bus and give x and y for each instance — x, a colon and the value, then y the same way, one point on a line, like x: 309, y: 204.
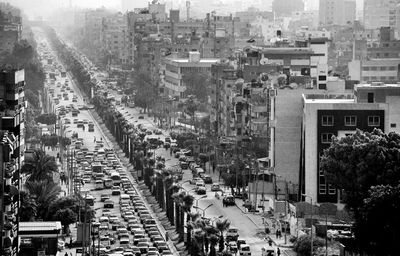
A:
x: 116, y: 178
x: 97, y: 168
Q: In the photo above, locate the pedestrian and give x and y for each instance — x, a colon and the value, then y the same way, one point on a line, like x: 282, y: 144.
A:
x: 101, y: 138
x: 166, y: 236
x: 66, y: 254
x: 277, y: 234
x: 83, y: 128
x: 94, y: 140
x: 278, y: 252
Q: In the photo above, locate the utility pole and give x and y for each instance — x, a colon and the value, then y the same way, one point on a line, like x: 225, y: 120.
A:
x: 84, y: 228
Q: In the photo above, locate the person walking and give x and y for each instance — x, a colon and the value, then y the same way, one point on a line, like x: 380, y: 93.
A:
x: 278, y: 252
x: 66, y: 254
x: 94, y: 139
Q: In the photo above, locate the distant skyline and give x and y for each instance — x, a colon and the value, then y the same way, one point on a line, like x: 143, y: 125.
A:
x: 35, y: 8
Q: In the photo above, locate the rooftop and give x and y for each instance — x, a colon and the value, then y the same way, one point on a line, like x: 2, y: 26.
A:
x: 377, y: 85
x: 201, y: 60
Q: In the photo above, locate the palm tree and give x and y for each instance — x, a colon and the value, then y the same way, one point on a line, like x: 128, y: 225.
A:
x: 39, y: 167
x: 44, y: 193
x: 209, y: 230
x: 213, y: 242
x: 27, y: 210
x: 198, y: 238
x: 222, y: 225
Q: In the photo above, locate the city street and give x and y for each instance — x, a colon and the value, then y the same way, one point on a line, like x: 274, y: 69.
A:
x: 89, y: 140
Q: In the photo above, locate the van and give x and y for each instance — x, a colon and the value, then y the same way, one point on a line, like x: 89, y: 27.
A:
x: 116, y: 178
x: 232, y: 234
x: 244, y: 250
x: 124, y: 198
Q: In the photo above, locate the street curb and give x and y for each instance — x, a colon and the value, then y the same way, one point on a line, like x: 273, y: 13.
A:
x: 245, y: 213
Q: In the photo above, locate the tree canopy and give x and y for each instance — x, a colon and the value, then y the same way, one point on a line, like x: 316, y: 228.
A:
x: 48, y: 119
x: 358, y: 163
x: 40, y: 167
x: 197, y: 84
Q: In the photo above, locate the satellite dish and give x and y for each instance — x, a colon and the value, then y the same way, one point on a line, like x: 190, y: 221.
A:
x: 264, y: 61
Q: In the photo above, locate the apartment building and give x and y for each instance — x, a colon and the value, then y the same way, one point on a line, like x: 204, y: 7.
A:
x: 10, y: 30
x: 373, y: 106
x: 375, y: 70
x: 379, y: 13
x: 176, y: 68
x: 115, y: 38
x: 12, y: 148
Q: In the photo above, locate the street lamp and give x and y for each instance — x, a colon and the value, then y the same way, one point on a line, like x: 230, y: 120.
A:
x: 203, y: 210
x: 197, y: 200
x: 312, y: 210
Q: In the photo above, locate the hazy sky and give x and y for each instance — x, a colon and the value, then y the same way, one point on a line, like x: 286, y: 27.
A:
x: 36, y: 8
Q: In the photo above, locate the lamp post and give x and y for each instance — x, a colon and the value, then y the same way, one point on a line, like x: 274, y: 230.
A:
x: 312, y: 210
x: 203, y: 210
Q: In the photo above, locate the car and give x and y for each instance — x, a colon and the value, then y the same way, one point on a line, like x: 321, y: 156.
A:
x: 195, y: 181
x: 104, y: 197
x: 115, y: 191
x: 207, y: 179
x: 232, y: 247
x: 141, y: 117
x: 228, y: 200
x: 108, y: 203
x: 215, y: 187
x: 232, y: 235
x: 244, y: 250
x: 201, y: 190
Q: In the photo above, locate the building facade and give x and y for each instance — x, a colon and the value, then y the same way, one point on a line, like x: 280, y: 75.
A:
x: 12, y: 148
x: 10, y: 31
x: 325, y: 116
x: 379, y: 13
x: 375, y: 70
x: 176, y: 68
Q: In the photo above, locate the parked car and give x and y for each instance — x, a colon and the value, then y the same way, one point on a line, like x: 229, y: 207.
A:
x: 215, y: 187
x: 207, y: 179
x: 229, y: 200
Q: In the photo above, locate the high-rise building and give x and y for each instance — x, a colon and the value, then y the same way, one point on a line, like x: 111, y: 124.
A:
x: 286, y: 7
x: 10, y: 30
x: 380, y: 13
x: 12, y: 147
x: 336, y: 12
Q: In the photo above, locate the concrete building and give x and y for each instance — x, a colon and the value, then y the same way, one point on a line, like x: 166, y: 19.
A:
x: 252, y: 13
x: 10, y: 31
x: 286, y: 7
x: 375, y: 70
x: 174, y: 16
x: 373, y: 106
x: 176, y: 68
x: 158, y: 12
x: 379, y: 13
x: 115, y: 38
x: 12, y: 148
x: 349, y: 11
x: 93, y: 26
x: 332, y: 12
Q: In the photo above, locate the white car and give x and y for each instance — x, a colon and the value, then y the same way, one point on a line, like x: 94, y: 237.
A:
x: 244, y: 250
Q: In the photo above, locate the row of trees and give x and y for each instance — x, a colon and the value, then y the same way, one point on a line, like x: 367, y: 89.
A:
x: 202, y: 235
x: 41, y: 201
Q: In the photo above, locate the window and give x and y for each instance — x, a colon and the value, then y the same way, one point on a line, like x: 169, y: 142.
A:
x: 322, y: 86
x: 393, y: 125
x: 392, y: 68
x: 365, y: 68
x: 326, y: 138
x: 374, y: 121
x: 370, y: 97
x: 322, y: 78
x: 386, y: 54
x: 331, y: 190
x: 382, y: 68
x: 327, y: 120
x: 322, y: 189
x: 374, y: 68
x: 350, y: 120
